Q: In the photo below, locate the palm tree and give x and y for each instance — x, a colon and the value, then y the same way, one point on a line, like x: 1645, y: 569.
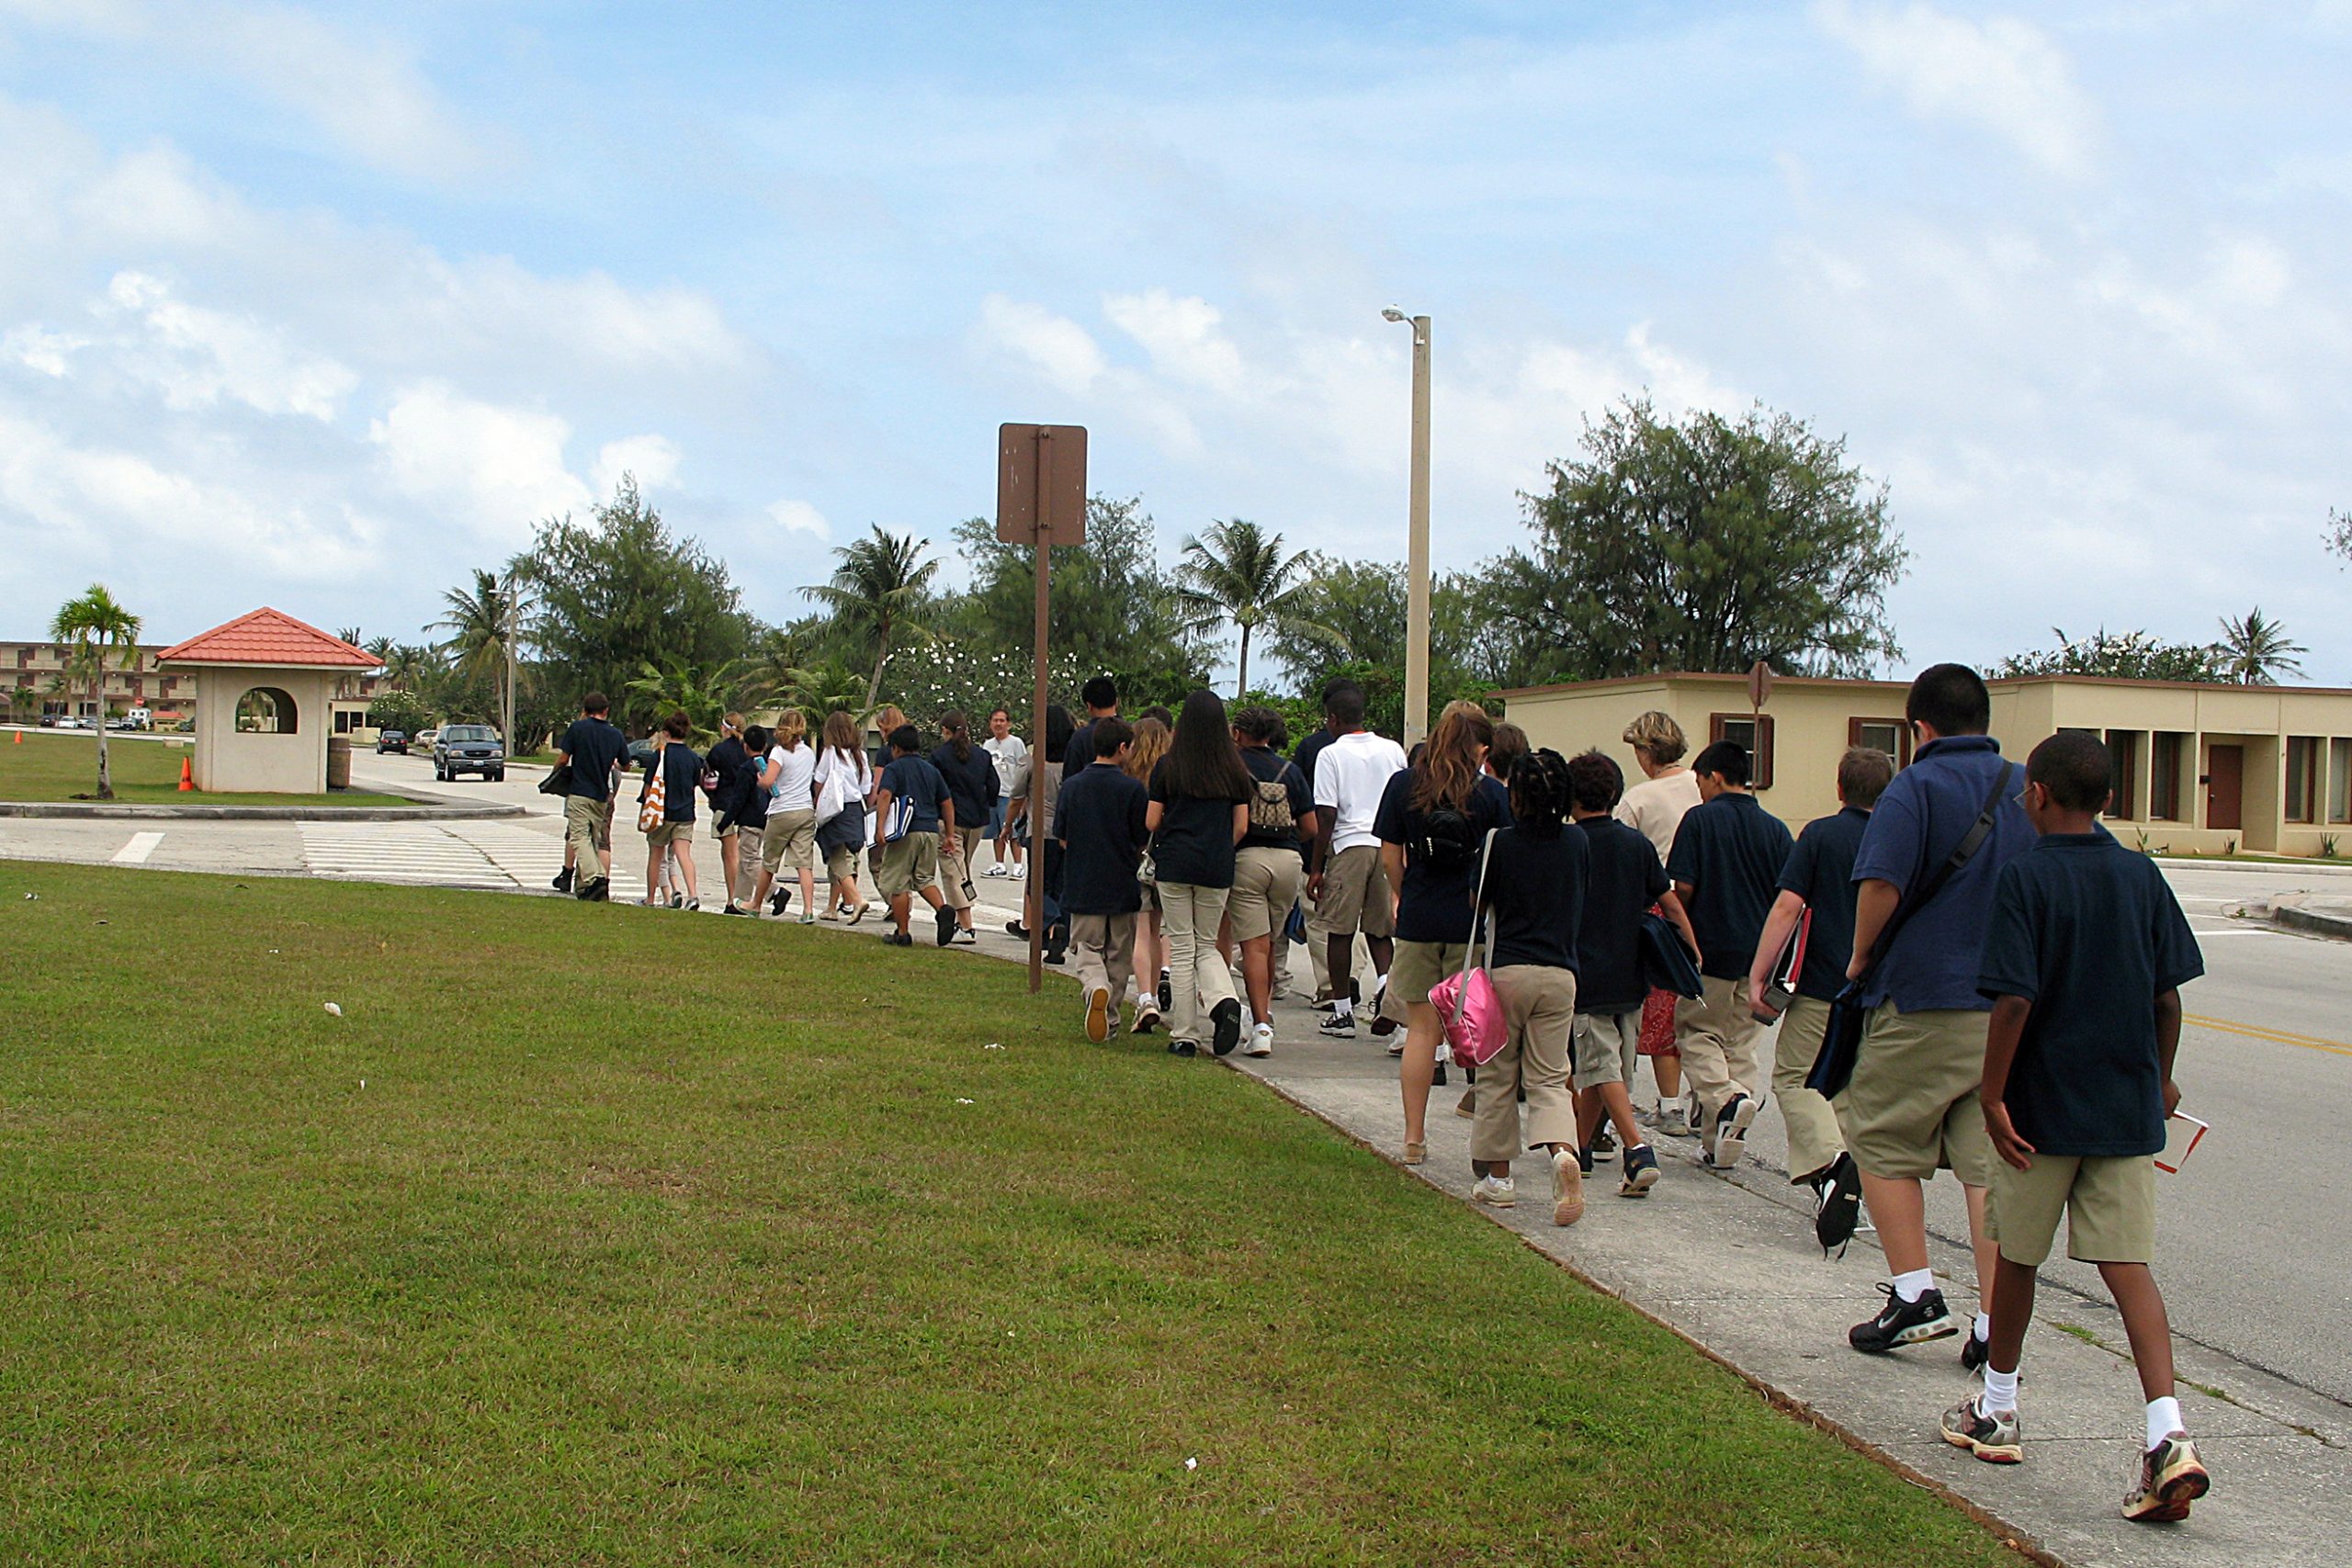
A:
x: 2255, y: 649
x: 878, y: 590
x: 817, y: 689
x: 90, y: 624
x: 1238, y: 574
x: 702, y: 691
x: 481, y: 623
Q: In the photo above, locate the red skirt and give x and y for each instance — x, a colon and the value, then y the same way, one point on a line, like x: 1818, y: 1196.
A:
x: 1657, y: 1025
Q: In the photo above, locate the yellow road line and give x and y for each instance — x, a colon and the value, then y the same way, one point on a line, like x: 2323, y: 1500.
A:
x: 2275, y: 1036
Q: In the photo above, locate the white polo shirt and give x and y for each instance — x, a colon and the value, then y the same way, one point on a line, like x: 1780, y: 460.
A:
x: 1349, y: 775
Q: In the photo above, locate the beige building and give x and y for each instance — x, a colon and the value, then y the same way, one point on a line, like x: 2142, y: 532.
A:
x: 34, y: 681
x: 2199, y: 767
x: 265, y: 686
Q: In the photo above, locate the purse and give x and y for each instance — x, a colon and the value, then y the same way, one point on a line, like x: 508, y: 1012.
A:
x: 1466, y: 1003
x: 654, y: 804
x: 1849, y: 1021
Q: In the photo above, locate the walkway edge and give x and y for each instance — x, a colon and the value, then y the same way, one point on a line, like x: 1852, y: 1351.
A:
x: 426, y: 809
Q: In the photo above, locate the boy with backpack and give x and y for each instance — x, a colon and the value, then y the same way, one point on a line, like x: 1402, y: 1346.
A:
x: 2083, y: 963
x: 912, y: 810
x: 1099, y: 822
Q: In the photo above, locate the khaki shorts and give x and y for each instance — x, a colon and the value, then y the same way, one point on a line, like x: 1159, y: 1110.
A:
x: 956, y: 873
x: 840, y: 865
x: 1418, y: 967
x: 907, y: 864
x: 1608, y: 1044
x: 1912, y: 1107
x: 1356, y: 896
x: 725, y: 828
x: 789, y: 836
x: 669, y: 833
x: 1265, y: 884
x: 2110, y: 1204
x: 587, y: 824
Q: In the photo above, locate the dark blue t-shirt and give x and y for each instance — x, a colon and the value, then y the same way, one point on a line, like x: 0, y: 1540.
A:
x: 1098, y: 818
x: 1535, y: 896
x: 1434, y: 903
x: 593, y: 745
x: 1820, y: 871
x: 1268, y: 766
x: 681, y: 779
x: 2090, y: 933
x: 1622, y: 879
x: 971, y: 784
x: 1194, y: 845
x: 1731, y: 850
x: 913, y: 778
x: 1920, y: 821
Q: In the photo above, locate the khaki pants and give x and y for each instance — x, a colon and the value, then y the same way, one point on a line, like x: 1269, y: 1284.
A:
x: 1101, y: 949
x: 1814, y: 1139
x: 1198, y: 979
x: 1912, y: 1108
x: 1539, y: 1011
x: 587, y: 827
x: 1319, y: 950
x: 955, y: 872
x: 1716, y: 1035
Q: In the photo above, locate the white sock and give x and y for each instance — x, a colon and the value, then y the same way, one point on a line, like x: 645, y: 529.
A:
x: 2164, y: 1419
x: 2000, y: 1392
x: 1910, y: 1287
x: 1985, y: 1326
x: 1341, y: 1006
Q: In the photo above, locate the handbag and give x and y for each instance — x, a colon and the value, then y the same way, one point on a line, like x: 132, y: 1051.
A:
x: 1849, y: 1021
x: 1466, y: 1003
x: 559, y: 780
x: 1666, y: 964
x: 654, y: 804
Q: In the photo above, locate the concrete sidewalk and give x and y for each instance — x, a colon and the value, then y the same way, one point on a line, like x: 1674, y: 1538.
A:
x: 1731, y: 1265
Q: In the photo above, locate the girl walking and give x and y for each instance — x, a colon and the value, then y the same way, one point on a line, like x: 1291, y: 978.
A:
x: 1199, y: 812
x: 842, y: 782
x: 1150, y: 968
x: 788, y: 775
x: 971, y: 773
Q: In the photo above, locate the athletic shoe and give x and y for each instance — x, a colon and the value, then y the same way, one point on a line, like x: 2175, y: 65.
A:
x: 1640, y: 1172
x: 1262, y: 1042
x: 1167, y: 991
x: 1604, y: 1143
x: 1182, y: 1048
x: 943, y: 922
x: 996, y: 870
x: 1731, y: 1131
x: 967, y: 937
x: 677, y: 900
x: 1841, y: 1190
x: 1020, y: 870
x: 1976, y: 1352
x: 2171, y: 1477
x: 808, y: 917
x: 1991, y: 1436
x: 778, y: 900
x: 1225, y: 1026
x: 693, y: 905
x: 597, y: 890
x: 1567, y: 1187
x: 1014, y: 928
x: 896, y: 939
x: 1099, y: 1013
x: 1396, y: 1042
x: 1055, y: 956
x: 1904, y: 1323
x: 1467, y: 1106
x: 1498, y: 1192
x: 1337, y: 1026
x: 1147, y: 1016
x: 733, y: 908
x: 1673, y: 1123
x: 563, y: 882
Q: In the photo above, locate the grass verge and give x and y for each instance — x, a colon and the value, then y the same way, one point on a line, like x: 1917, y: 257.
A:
x: 65, y: 767
x: 667, y: 1240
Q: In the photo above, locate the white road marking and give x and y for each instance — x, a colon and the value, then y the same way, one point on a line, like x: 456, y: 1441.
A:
x: 398, y: 851
x: 136, y: 851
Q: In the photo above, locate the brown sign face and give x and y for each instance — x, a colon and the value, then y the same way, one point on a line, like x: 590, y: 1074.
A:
x: 1759, y: 684
x: 1041, y: 479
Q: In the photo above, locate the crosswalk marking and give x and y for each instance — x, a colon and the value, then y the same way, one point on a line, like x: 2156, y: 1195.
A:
x: 136, y: 851
x: 398, y: 851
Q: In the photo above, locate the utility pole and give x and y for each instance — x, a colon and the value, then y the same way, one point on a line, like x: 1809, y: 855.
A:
x: 1417, y: 540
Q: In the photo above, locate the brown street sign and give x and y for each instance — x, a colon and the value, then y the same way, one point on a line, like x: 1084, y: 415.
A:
x: 1759, y: 684
x: 1041, y: 469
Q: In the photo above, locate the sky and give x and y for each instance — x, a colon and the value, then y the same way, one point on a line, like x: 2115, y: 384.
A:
x: 323, y: 306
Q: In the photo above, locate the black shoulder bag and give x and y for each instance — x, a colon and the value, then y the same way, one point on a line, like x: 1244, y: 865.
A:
x: 1841, y: 1036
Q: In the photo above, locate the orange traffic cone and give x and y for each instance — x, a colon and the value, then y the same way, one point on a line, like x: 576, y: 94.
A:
x: 188, y: 775
x: 20, y: 737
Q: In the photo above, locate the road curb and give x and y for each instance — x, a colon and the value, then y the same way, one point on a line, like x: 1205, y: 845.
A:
x: 2296, y: 864
x: 2314, y: 922
x: 426, y: 810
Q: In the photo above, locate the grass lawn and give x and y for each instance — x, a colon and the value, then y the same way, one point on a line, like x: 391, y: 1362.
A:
x: 654, y: 1239
x: 65, y: 767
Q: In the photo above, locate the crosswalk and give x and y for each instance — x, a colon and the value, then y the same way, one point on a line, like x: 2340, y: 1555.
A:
x: 442, y: 854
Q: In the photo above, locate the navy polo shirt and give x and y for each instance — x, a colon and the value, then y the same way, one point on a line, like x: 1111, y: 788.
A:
x: 1731, y: 850
x: 2090, y: 933
x: 1098, y: 818
x: 1920, y: 821
x: 1821, y: 872
x: 912, y: 778
x: 1434, y: 903
x: 1622, y: 879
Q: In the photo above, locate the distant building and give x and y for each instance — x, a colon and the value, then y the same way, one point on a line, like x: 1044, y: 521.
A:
x: 2197, y: 767
x: 267, y: 682
x: 29, y: 670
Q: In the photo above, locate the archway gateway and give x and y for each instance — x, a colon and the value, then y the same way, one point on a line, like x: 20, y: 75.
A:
x: 263, y: 682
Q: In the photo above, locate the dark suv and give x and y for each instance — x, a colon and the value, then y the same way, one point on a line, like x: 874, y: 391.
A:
x: 467, y: 749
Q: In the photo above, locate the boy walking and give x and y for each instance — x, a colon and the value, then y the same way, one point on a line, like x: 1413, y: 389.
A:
x: 2083, y: 963
x: 912, y: 810
x: 1350, y: 886
x: 596, y: 750
x: 1727, y: 854
x: 1099, y: 820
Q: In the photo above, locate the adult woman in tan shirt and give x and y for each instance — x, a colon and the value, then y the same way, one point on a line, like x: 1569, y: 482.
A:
x: 1654, y: 808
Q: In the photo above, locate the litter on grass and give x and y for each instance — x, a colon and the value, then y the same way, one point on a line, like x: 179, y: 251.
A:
x: 335, y: 1009
x: 992, y: 1045
x: 1192, y: 1464
x: 961, y: 1101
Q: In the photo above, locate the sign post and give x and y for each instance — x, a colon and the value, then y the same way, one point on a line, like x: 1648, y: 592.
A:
x: 1040, y: 502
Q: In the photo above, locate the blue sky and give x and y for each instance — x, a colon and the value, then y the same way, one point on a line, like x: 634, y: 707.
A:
x: 321, y: 306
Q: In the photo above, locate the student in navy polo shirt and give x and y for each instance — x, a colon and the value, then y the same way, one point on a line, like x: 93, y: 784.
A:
x: 2084, y: 963
x: 1819, y: 876
x: 1098, y: 821
x: 1727, y: 854
x: 1911, y: 1108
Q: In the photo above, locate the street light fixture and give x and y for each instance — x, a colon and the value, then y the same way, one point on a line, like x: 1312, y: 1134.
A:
x: 1417, y: 546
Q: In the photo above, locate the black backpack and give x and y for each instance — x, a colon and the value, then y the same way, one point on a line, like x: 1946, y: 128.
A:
x: 1448, y: 839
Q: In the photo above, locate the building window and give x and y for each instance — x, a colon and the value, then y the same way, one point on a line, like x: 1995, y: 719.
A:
x: 266, y: 710
x: 2302, y: 779
x: 2166, y: 748
x: 1752, y: 731
x: 1892, y: 735
x: 2123, y: 746
x: 2339, y: 781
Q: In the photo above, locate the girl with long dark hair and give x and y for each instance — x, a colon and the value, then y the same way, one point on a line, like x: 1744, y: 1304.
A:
x: 971, y: 773
x: 1151, y: 971
x: 842, y: 782
x: 1199, y: 812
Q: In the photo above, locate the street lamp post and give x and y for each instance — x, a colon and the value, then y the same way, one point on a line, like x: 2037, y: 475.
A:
x: 1417, y: 543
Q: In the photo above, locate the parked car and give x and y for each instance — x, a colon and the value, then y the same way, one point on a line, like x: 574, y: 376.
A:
x: 467, y: 749
x: 140, y: 719
x: 391, y: 740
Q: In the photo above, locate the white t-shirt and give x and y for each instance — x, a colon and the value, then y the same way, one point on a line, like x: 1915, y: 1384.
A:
x: 1654, y: 807
x: 1012, y: 755
x: 1349, y: 775
x: 798, y: 766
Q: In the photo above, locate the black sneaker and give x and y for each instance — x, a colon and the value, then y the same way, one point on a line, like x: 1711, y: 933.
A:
x: 1052, y: 955
x: 1976, y: 1352
x: 782, y: 898
x: 1224, y: 1024
x: 1604, y: 1143
x: 1167, y: 991
x: 1014, y: 928
x: 1731, y: 1132
x: 677, y: 900
x: 944, y: 921
x: 1182, y: 1048
x: 1841, y: 1190
x: 1640, y: 1173
x: 563, y: 882
x: 734, y: 909
x: 896, y: 939
x: 596, y: 890
x: 1904, y: 1323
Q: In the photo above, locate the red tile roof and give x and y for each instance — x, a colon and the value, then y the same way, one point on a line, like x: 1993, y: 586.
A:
x: 268, y: 637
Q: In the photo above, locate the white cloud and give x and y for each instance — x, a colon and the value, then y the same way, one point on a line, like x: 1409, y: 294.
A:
x: 1064, y: 352
x: 499, y: 470
x: 799, y: 517
x: 197, y: 356
x: 37, y: 348
x: 1182, y: 337
x: 2003, y: 73
x: 654, y: 460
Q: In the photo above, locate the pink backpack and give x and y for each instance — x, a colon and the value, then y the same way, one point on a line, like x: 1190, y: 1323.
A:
x: 1466, y: 1003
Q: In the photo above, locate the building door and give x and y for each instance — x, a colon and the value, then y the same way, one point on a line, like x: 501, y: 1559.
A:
x: 2224, y: 785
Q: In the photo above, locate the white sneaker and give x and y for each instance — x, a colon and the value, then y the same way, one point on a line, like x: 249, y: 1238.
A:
x: 1262, y: 1042
x: 1019, y: 869
x: 1337, y: 1026
x: 996, y: 870
x: 1497, y: 1190
x: 966, y: 936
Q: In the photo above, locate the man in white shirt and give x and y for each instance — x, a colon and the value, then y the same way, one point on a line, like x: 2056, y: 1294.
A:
x: 1348, y: 886
x: 1010, y: 754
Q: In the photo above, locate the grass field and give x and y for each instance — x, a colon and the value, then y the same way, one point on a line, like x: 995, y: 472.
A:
x: 65, y: 767
x: 588, y: 1235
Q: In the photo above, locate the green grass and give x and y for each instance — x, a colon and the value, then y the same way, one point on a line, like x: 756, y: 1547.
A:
x: 65, y: 767
x: 652, y: 1239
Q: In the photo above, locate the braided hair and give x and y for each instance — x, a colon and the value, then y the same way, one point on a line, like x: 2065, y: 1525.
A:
x: 1540, y: 792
